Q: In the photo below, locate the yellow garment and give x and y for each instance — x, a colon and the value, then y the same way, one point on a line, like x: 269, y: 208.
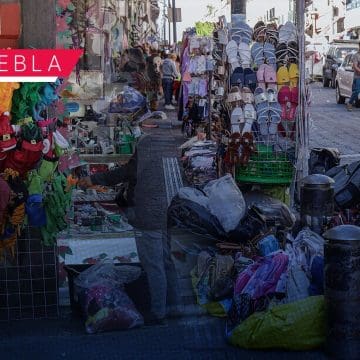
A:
x: 6, y: 94
x: 283, y: 77
x: 294, y: 75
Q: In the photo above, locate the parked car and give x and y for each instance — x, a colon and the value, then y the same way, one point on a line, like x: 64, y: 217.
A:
x: 334, y: 57
x: 344, y: 80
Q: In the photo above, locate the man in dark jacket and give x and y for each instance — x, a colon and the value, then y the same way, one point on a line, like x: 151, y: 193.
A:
x: 153, y: 244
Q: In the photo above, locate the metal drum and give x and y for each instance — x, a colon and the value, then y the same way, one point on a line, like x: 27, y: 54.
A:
x: 342, y: 291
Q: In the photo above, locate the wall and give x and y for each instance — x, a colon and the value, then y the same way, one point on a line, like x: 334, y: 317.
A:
x: 259, y: 10
x: 352, y: 19
x: 39, y: 25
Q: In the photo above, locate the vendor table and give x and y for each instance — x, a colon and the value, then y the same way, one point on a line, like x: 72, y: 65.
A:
x: 101, y: 159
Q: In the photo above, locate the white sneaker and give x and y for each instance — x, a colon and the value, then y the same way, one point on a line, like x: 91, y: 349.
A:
x: 169, y: 107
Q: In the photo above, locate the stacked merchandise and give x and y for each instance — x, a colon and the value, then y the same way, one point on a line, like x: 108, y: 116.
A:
x: 200, y: 156
x: 196, y: 62
x: 92, y: 133
x: 30, y: 147
x: 199, y: 162
x: 262, y: 102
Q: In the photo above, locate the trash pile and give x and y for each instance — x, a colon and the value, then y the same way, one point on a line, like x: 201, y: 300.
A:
x: 259, y: 265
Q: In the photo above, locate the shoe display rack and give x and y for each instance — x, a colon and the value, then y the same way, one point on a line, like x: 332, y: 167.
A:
x: 257, y: 133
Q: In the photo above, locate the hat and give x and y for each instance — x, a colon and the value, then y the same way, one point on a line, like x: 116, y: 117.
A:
x: 7, y: 133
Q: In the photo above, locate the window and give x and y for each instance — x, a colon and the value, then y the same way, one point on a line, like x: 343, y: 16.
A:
x: 272, y: 13
x: 340, y: 25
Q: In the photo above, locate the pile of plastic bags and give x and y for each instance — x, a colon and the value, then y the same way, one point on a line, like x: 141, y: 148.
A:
x: 104, y: 302
x: 272, y: 299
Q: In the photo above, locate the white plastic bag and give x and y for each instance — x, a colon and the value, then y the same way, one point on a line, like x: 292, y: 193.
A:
x: 195, y: 195
x: 226, y: 202
x: 307, y: 245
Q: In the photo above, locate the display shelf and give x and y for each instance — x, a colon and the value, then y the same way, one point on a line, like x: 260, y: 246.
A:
x: 101, y: 158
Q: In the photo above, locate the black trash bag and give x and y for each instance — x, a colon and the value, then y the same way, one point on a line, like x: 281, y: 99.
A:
x: 252, y: 225
x: 276, y: 214
x: 223, y: 288
x: 322, y: 160
x: 347, y: 186
x: 184, y: 213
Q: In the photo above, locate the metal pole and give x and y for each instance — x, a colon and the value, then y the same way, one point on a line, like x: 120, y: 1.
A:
x: 303, y: 112
x: 238, y: 7
x: 164, y: 20
x: 169, y: 6
x: 174, y: 22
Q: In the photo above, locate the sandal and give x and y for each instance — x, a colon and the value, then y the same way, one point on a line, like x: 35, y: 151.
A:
x: 250, y: 79
x: 293, y: 75
x: 284, y: 98
x: 262, y: 110
x: 281, y: 53
x: 283, y: 77
x: 236, y: 119
x: 250, y: 117
x: 287, y: 32
x: 275, y: 111
x: 232, y: 52
x: 237, y: 78
x: 259, y: 32
x: 269, y: 54
x: 247, y: 96
x: 293, y: 52
x: 270, y: 76
x: 234, y: 95
x: 245, y: 54
x: 242, y: 32
x: 260, y: 75
x: 257, y: 53
x: 294, y: 101
x: 272, y: 34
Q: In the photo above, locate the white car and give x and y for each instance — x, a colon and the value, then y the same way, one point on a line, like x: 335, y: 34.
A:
x: 344, y: 80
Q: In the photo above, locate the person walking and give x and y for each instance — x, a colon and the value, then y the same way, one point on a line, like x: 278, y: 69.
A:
x: 356, y: 81
x: 169, y: 74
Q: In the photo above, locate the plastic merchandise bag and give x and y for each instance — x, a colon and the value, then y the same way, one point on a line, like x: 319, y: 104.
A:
x: 268, y: 245
x: 297, y: 286
x: 296, y: 326
x: 195, y: 195
x: 104, y: 302
x: 128, y: 101
x: 226, y: 202
x: 307, y: 246
x: 188, y: 214
x: 277, y: 214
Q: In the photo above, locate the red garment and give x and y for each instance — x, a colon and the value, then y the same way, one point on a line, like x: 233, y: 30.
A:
x: 5, y: 193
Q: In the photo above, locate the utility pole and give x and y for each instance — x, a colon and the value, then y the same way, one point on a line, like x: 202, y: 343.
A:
x: 174, y: 21
x: 238, y: 9
x: 169, y: 22
x: 303, y: 112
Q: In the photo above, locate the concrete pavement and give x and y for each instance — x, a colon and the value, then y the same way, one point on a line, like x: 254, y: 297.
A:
x: 333, y: 125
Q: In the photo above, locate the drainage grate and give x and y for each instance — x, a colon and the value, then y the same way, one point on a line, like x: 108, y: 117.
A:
x: 172, y: 176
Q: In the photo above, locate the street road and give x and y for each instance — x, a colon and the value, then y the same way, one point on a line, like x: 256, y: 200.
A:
x: 333, y: 125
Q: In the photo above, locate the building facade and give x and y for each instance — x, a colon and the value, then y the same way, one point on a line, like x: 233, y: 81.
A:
x: 278, y: 11
x: 352, y: 19
x: 326, y: 19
